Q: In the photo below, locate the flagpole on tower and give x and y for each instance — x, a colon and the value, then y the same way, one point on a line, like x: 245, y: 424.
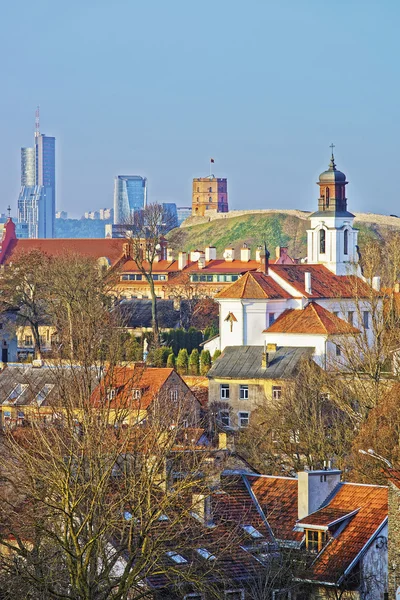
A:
x: 211, y: 162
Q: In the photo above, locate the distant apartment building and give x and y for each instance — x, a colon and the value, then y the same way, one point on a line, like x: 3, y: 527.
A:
x: 184, y: 212
x: 130, y: 194
x: 61, y: 214
x: 37, y: 197
x: 106, y: 214
x: 92, y: 214
x: 209, y: 194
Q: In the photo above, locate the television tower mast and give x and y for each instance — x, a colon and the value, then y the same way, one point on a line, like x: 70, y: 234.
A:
x: 37, y: 122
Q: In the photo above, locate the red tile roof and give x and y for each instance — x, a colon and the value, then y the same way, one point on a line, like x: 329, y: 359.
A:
x: 313, y: 319
x: 254, y: 285
x: 277, y: 497
x: 325, y: 517
x: 95, y: 248
x: 324, y: 283
x: 372, y: 504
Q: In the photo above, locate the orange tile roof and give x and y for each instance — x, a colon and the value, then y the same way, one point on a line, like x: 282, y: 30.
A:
x: 149, y: 380
x: 324, y: 283
x: 254, y: 285
x: 162, y: 266
x: 313, y: 319
x: 95, y: 248
x: 277, y: 497
x: 224, y: 266
x: 340, y: 552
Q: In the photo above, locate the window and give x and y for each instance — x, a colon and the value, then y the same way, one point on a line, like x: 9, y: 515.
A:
x: 28, y: 340
x: 111, y: 393
x: 346, y: 242
x: 127, y: 515
x: 366, y: 319
x: 324, y: 396
x: 271, y: 318
x: 210, y: 189
x: 224, y: 418
x: 44, y: 392
x: 276, y: 392
x: 327, y: 197
x: 17, y: 391
x: 136, y: 394
x: 350, y: 317
x: 244, y: 392
x: 193, y: 597
x: 173, y: 394
x: 224, y: 391
x: 252, y: 531
x: 338, y: 350
x: 159, y: 277
x: 234, y: 595
x: 282, y: 595
x: 322, y: 241
x: 177, y: 558
x: 210, y: 199
x: 244, y: 419
x: 205, y: 554
x: 315, y: 540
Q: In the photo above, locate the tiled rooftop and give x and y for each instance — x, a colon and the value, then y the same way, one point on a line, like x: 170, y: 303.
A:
x: 254, y: 285
x: 314, y: 319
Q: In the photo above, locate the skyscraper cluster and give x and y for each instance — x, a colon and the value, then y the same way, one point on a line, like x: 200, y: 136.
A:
x: 37, y: 197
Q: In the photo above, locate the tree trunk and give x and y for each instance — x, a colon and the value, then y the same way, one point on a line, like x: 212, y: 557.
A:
x: 154, y: 316
x: 36, y: 340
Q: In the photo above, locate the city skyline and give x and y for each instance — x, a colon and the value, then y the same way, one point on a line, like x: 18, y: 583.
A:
x: 287, y: 80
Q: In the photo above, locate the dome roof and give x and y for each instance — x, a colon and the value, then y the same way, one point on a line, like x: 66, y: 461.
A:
x: 332, y: 174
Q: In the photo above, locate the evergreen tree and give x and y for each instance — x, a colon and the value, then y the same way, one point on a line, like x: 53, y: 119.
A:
x: 182, y: 362
x: 216, y: 355
x: 194, y: 362
x: 205, y: 362
x: 171, y: 361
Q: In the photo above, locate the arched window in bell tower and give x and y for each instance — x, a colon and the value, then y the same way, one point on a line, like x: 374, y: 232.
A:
x: 327, y: 197
x: 322, y: 241
x: 346, y: 242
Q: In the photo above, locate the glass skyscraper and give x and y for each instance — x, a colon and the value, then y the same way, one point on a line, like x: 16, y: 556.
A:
x: 37, y: 198
x: 130, y: 194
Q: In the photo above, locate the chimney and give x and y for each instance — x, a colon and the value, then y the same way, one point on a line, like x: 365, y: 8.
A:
x: 376, y: 284
x: 307, y: 282
x: 258, y: 254
x: 278, y: 252
x: 201, y: 505
x: 170, y: 255
x: 201, y: 263
x: 313, y: 487
x: 266, y: 260
x: 271, y: 347
x: 229, y: 254
x: 245, y: 253
x: 182, y: 260
x: 195, y: 255
x: 210, y: 253
x: 222, y: 441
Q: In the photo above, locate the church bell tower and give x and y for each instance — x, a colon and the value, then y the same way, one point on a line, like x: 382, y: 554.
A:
x: 332, y: 239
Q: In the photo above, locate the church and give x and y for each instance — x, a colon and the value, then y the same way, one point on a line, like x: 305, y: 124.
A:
x: 320, y: 303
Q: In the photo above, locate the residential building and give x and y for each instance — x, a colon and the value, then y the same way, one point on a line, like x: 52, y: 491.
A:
x: 106, y: 214
x: 61, y: 214
x: 209, y: 194
x: 184, y: 212
x: 130, y: 194
x: 37, y: 197
x: 93, y: 214
x: 245, y: 377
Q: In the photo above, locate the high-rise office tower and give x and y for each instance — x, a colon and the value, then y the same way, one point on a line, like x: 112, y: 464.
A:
x: 37, y: 199
x: 130, y: 194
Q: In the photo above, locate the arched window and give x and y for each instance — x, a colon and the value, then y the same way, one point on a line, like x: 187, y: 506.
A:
x: 210, y: 199
x: 322, y: 241
x: 327, y: 197
x: 346, y: 242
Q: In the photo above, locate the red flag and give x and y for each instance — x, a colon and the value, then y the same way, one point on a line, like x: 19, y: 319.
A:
x: 212, y: 160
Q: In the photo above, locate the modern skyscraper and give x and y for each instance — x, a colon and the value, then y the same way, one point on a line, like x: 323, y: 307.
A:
x: 130, y: 194
x: 37, y: 199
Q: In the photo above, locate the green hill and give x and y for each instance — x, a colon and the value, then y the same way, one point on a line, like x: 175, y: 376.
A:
x: 276, y: 228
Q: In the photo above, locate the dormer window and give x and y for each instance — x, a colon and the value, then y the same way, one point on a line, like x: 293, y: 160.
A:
x: 136, y: 394
x: 111, y: 393
x: 315, y: 540
x: 177, y: 558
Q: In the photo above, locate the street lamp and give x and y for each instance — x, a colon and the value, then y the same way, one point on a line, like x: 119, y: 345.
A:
x: 373, y: 454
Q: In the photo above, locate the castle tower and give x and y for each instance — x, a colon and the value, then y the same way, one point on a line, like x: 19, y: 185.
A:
x: 209, y: 193
x: 332, y: 239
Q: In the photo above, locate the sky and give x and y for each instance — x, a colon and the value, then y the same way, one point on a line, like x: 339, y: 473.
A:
x: 156, y: 88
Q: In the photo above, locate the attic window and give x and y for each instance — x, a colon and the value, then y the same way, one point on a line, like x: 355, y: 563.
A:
x: 315, y: 539
x: 17, y: 391
x: 252, y: 531
x: 136, y: 394
x: 177, y: 558
x: 111, y: 393
x: 205, y: 554
x: 163, y: 518
x: 44, y: 392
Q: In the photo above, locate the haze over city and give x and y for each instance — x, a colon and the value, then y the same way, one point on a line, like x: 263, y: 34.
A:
x: 158, y: 88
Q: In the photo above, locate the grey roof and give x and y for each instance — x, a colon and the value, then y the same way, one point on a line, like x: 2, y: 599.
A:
x: 332, y: 213
x: 21, y: 385
x: 136, y: 313
x: 244, y: 362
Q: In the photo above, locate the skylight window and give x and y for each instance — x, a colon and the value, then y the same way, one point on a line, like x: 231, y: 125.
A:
x: 127, y: 515
x: 44, y: 392
x: 163, y: 518
x: 205, y: 554
x: 17, y: 392
x: 180, y: 560
x: 252, y: 531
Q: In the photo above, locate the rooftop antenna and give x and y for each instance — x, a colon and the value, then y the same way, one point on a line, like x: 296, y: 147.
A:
x: 37, y: 122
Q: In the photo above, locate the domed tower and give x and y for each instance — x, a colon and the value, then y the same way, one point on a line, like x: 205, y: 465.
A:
x: 332, y: 239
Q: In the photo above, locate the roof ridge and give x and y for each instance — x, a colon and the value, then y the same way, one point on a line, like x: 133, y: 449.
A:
x: 318, y: 315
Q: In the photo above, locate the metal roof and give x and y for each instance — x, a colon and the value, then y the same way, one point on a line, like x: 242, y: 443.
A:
x: 244, y: 362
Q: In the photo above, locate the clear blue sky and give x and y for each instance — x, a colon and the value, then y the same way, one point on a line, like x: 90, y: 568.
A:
x: 157, y: 87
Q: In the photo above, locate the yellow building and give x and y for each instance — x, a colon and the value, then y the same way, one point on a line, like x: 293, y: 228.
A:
x: 209, y: 194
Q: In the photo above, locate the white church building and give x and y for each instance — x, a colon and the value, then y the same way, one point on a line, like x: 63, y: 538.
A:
x: 318, y: 303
